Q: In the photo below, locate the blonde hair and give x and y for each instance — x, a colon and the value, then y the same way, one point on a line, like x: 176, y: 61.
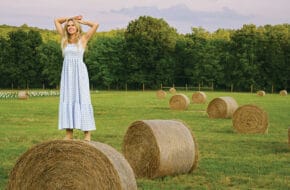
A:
x: 65, y: 39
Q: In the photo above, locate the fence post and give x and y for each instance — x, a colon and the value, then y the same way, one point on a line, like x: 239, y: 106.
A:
x: 186, y: 87
x: 143, y: 86
x: 126, y: 87
x: 199, y: 86
x: 232, y: 87
x: 161, y: 86
x: 251, y: 88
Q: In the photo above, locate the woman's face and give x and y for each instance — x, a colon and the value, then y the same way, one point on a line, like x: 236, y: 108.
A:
x: 71, y: 28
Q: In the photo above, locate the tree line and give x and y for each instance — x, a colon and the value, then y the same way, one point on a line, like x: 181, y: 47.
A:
x: 150, y: 52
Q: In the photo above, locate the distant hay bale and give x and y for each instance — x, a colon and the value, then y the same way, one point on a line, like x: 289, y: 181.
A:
x: 156, y: 148
x: 179, y: 102
x: 250, y: 119
x: 23, y: 95
x: 199, y: 97
x: 283, y: 93
x: 172, y: 90
x: 261, y: 93
x: 222, y: 107
x: 72, y: 164
x: 161, y: 94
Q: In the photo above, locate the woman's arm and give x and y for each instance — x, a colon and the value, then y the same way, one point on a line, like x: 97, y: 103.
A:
x: 59, y: 21
x: 94, y: 26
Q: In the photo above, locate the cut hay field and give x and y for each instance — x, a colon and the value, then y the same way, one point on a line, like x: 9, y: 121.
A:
x: 228, y: 160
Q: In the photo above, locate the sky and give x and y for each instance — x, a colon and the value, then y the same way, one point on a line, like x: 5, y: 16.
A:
x: 180, y: 14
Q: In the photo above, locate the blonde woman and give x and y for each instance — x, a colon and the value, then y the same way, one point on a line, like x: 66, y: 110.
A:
x: 75, y: 108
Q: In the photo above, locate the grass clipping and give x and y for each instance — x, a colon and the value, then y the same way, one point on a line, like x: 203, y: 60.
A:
x: 250, y: 119
x: 161, y: 94
x: 179, y: 102
x: 222, y: 107
x: 72, y: 164
x: 156, y: 148
x: 198, y: 98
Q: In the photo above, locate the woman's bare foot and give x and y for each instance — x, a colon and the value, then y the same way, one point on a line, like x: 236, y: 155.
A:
x: 68, y: 134
x: 87, y: 136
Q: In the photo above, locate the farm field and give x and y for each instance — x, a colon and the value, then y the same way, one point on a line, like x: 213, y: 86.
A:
x: 227, y: 160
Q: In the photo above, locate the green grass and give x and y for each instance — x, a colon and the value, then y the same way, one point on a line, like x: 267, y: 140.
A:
x: 227, y: 160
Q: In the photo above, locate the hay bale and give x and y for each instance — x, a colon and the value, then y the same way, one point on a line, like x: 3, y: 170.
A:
x: 179, y: 102
x: 172, y: 90
x: 156, y: 148
x: 222, y: 107
x: 261, y: 93
x: 72, y: 164
x: 250, y: 119
x: 199, y: 98
x: 161, y: 94
x: 23, y: 95
x: 283, y: 93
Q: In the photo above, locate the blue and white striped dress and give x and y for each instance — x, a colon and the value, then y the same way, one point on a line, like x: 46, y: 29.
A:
x: 75, y: 108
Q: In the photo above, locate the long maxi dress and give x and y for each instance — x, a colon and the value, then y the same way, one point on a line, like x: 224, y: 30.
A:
x: 75, y: 108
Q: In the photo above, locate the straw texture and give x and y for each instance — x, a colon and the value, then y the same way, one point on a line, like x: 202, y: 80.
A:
x: 179, y: 102
x: 156, y: 148
x: 250, y: 119
x: 222, y: 107
x: 23, y: 95
x: 172, y: 90
x: 283, y: 93
x: 261, y: 93
x: 161, y: 94
x: 72, y: 164
x: 199, y: 98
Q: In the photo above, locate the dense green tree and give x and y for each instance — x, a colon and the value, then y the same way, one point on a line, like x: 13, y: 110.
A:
x: 50, y: 60
x: 104, y: 60
x: 149, y: 46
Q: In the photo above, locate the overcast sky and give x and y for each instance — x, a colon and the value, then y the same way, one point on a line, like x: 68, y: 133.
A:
x: 180, y: 14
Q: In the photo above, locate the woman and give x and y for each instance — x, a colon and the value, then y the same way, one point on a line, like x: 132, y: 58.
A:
x: 75, y: 108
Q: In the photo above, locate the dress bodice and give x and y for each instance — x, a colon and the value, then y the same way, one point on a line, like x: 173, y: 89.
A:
x: 73, y: 51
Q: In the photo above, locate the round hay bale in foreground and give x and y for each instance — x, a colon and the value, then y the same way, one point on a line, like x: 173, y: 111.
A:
x: 222, y: 107
x: 156, y: 148
x: 179, y: 102
x: 261, y: 93
x: 72, y: 164
x: 161, y: 94
x: 250, y: 119
x: 23, y: 95
x: 172, y: 90
x: 283, y: 93
x: 199, y: 97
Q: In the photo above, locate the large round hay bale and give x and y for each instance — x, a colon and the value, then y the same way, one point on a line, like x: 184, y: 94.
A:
x: 23, y: 95
x: 250, y: 119
x: 283, y: 93
x: 179, y: 102
x: 222, y: 107
x: 261, y: 93
x: 199, y: 98
x: 156, y: 148
x: 161, y: 94
x: 72, y: 164
x: 172, y: 90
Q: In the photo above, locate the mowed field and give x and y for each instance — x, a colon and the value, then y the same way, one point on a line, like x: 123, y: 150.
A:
x: 227, y: 160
